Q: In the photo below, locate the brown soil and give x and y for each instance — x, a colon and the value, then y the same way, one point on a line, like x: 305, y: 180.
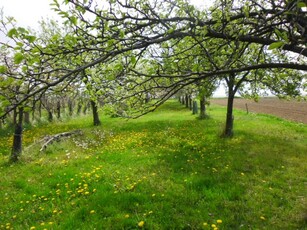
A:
x: 290, y: 110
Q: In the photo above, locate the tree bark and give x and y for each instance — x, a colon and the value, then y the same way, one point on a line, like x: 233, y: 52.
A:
x: 85, y: 108
x: 50, y: 116
x: 96, y: 119
x: 187, y: 101
x: 195, y: 107
x: 79, y: 107
x: 70, y: 107
x: 26, y: 117
x: 40, y: 109
x: 58, y: 109
x: 17, y: 140
x: 229, y: 116
x: 190, y: 102
x: 202, y: 107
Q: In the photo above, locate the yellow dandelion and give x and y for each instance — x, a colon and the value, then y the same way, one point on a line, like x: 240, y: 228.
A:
x: 141, y: 224
x: 92, y: 211
x: 205, y: 224
x: 219, y: 221
x: 262, y: 217
x: 32, y: 228
x: 127, y: 216
x: 213, y: 225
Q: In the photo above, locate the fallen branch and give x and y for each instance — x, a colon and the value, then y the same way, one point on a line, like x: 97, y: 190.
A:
x: 57, y: 137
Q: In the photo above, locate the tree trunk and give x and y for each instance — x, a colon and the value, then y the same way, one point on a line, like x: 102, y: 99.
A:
x: 40, y: 109
x: 50, y: 115
x: 190, y: 102
x: 229, y: 116
x: 14, y: 116
x: 26, y: 117
x: 58, y: 109
x: 187, y: 101
x: 95, y: 113
x: 202, y: 107
x: 195, y: 107
x: 70, y: 107
x: 79, y: 107
x: 17, y: 140
x: 85, y: 108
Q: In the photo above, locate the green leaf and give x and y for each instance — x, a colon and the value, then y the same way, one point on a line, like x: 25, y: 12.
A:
x: 73, y: 20
x: 18, y: 58
x: 301, y: 4
x: 3, y: 69
x: 133, y: 60
x: 30, y: 38
x: 121, y: 34
x: 12, y: 33
x: 276, y: 45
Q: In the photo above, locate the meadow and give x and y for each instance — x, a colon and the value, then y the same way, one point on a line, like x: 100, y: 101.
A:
x: 165, y: 170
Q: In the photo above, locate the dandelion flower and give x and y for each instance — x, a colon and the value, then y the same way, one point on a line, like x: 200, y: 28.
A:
x: 219, y: 221
x: 141, y: 224
x: 32, y: 228
x: 92, y: 211
x: 213, y: 225
x: 205, y: 224
x: 127, y: 216
x: 262, y: 217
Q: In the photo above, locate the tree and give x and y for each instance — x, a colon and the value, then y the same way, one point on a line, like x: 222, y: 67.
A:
x: 102, y: 32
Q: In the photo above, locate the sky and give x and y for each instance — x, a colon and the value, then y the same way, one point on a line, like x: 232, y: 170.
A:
x: 29, y: 12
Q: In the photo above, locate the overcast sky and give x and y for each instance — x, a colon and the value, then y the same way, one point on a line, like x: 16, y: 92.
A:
x: 29, y: 12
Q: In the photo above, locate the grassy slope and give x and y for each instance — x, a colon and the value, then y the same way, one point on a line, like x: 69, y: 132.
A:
x: 168, y: 169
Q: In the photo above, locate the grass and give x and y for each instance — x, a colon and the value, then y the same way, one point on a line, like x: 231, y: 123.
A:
x: 166, y: 170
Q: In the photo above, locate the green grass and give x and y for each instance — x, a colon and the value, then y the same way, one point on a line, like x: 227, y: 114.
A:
x: 168, y: 169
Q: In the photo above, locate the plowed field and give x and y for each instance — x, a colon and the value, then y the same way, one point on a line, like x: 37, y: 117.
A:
x: 290, y: 110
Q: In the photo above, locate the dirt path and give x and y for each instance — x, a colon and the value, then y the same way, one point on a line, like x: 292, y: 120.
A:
x: 290, y: 110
